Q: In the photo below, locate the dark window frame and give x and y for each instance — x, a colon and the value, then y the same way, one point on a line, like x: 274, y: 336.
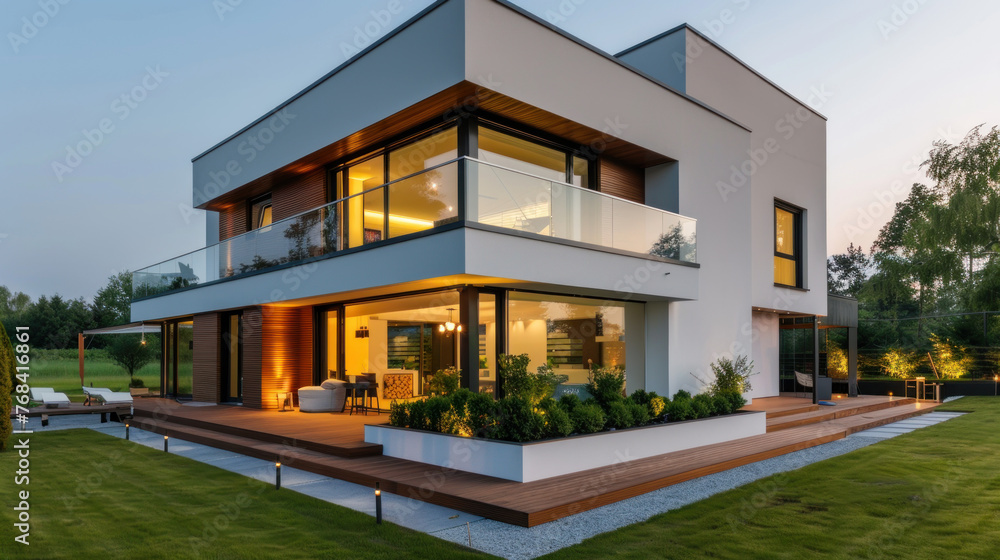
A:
x: 254, y: 201
x: 226, y: 336
x: 798, y: 214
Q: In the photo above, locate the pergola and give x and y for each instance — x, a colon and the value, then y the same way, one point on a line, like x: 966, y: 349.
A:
x: 130, y: 328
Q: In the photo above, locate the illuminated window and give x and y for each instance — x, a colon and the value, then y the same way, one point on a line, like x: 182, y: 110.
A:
x: 787, y: 245
x: 260, y: 212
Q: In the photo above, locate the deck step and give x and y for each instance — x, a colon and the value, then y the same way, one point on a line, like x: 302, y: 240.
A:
x: 248, y: 442
x: 828, y: 413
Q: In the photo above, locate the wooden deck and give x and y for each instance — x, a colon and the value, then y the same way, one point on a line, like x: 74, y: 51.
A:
x: 332, y: 445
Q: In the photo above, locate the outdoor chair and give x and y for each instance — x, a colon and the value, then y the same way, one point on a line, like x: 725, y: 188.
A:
x: 106, y: 396
x: 804, y: 379
x: 372, y: 391
x: 49, y: 397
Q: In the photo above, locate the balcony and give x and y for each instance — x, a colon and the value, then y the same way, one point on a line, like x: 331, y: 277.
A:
x: 461, y: 191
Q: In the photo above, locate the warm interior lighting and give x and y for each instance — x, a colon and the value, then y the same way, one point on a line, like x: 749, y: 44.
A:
x: 450, y: 325
x: 373, y: 215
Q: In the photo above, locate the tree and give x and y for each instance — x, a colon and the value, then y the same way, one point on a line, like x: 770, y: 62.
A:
x: 130, y: 353
x: 6, y: 386
x: 113, y: 303
x: 847, y: 272
x: 55, y: 322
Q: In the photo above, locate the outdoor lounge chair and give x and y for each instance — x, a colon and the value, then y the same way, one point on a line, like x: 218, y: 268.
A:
x: 106, y: 396
x: 804, y: 379
x: 49, y: 397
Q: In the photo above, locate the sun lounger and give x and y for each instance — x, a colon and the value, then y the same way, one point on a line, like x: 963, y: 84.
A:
x: 49, y: 397
x: 106, y: 396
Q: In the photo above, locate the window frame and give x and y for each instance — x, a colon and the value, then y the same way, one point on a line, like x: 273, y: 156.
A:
x: 254, y: 201
x: 798, y: 214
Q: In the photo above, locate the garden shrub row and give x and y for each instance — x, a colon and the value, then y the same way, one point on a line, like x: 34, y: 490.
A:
x: 529, y: 413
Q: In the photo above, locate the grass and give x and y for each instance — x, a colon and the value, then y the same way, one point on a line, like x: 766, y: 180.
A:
x: 933, y: 493
x: 95, y: 496
x: 62, y: 373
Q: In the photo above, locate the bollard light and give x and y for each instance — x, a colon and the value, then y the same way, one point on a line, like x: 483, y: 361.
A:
x: 378, y: 504
x: 165, y: 443
x: 126, y: 431
x: 277, y: 475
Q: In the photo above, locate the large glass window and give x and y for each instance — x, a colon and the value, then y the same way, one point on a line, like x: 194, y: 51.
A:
x: 522, y: 155
x: 787, y: 245
x: 401, y: 338
x: 260, y: 212
x: 567, y: 333
x: 232, y: 359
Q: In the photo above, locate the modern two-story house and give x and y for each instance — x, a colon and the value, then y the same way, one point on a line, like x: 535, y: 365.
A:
x: 479, y: 182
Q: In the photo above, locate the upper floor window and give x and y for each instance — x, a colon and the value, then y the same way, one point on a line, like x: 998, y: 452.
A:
x: 533, y: 157
x: 260, y: 212
x: 787, y: 245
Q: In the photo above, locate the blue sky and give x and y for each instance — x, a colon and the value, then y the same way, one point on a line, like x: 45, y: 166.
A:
x: 899, y: 74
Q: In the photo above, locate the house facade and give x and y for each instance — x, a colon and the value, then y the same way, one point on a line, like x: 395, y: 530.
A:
x: 479, y: 182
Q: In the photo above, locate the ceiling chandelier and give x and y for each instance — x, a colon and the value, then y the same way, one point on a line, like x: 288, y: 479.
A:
x: 450, y: 325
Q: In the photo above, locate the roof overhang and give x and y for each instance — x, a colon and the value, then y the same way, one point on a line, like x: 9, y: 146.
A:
x: 130, y: 328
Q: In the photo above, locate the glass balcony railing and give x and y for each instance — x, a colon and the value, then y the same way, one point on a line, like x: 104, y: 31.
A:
x: 496, y: 196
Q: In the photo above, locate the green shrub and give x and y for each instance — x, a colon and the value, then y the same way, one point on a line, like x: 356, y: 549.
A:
x: 436, y: 408
x: 587, y: 418
x: 731, y: 375
x: 418, y: 415
x: 444, y: 382
x: 703, y: 405
x: 479, y: 415
x: 518, y: 382
x: 722, y: 404
x: 518, y: 421
x: 736, y: 401
x: 136, y: 382
x: 682, y: 394
x: 679, y: 409
x: 654, y: 403
x: 619, y: 416
x: 607, y: 384
x: 569, y: 402
x: 639, y: 413
x: 7, y: 378
x: 557, y: 422
x: 398, y: 414
x: 459, y: 399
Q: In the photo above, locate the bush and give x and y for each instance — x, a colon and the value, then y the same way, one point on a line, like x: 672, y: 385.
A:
x: 731, y: 375
x: 136, y: 383
x: 587, y: 418
x: 418, y: 415
x: 398, y: 414
x: 444, y: 382
x: 557, y: 422
x: 517, y: 420
x: 518, y: 382
x: 639, y: 412
x: 657, y: 406
x: 737, y: 401
x: 682, y: 394
x: 480, y: 415
x: 679, y: 409
x: 703, y: 405
x: 569, y: 402
x: 6, y: 387
x: 722, y: 404
x: 654, y: 403
x: 607, y: 384
x: 619, y: 416
x: 436, y: 408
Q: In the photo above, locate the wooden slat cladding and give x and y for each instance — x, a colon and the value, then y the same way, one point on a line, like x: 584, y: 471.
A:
x: 232, y: 221
x: 252, y: 334
x: 622, y: 180
x: 277, y: 353
x: 206, y: 358
x: 299, y: 195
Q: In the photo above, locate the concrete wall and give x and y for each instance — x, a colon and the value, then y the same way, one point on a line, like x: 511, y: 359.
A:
x: 765, y: 355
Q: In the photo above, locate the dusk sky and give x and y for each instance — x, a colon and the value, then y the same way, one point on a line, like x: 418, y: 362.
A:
x: 168, y: 79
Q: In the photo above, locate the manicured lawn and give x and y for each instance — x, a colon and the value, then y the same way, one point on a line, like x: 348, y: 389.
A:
x: 933, y: 493
x: 95, y: 496
x: 63, y: 374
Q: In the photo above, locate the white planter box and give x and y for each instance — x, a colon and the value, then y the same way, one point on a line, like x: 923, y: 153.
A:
x: 526, y: 462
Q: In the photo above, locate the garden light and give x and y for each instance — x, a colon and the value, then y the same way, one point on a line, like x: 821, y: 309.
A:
x: 378, y: 504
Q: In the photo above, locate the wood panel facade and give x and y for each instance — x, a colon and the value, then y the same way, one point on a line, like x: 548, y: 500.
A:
x: 206, y: 357
x: 232, y: 221
x: 298, y: 195
x: 277, y: 353
x: 622, y: 180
